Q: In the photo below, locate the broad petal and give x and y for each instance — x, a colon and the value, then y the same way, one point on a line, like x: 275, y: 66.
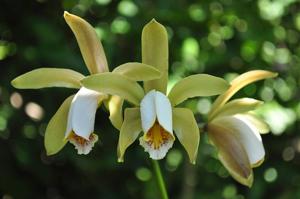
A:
x: 231, y: 153
x: 138, y: 71
x: 115, y: 104
x: 130, y: 130
x: 195, y: 86
x: 187, y: 131
x: 163, y: 111
x: 48, y: 77
x: 237, y: 106
x: 155, y: 53
x: 82, y: 112
x: 148, y: 110
x: 237, y: 84
x: 247, y: 134
x: 89, y: 44
x: 259, y: 124
x: 55, y: 132
x: 115, y: 84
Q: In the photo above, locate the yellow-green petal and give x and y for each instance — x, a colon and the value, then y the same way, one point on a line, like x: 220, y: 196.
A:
x: 155, y: 53
x: 259, y: 123
x: 231, y: 153
x: 89, y: 44
x: 187, y: 131
x: 237, y: 84
x: 48, y: 77
x: 115, y: 104
x: 197, y: 85
x: 129, y: 131
x: 115, y: 84
x: 138, y: 71
x: 55, y: 132
x: 237, y: 106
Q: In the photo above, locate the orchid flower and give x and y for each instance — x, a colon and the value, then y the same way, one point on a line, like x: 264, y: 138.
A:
x: 74, y: 120
x: 235, y: 131
x: 154, y: 112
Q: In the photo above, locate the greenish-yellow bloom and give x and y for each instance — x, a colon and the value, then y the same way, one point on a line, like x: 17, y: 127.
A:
x: 155, y: 112
x: 74, y: 120
x: 235, y: 131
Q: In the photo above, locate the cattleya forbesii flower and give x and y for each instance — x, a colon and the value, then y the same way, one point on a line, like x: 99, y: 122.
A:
x: 155, y: 113
x: 235, y: 131
x: 74, y: 120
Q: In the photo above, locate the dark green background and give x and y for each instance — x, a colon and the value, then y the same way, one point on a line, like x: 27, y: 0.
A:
x: 222, y: 38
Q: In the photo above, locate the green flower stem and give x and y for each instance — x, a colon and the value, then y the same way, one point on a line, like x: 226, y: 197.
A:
x: 160, y: 180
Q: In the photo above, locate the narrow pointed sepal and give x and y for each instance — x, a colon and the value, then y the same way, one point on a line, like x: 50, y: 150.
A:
x: 48, y: 77
x: 115, y: 104
x: 187, y: 131
x: 115, y: 84
x: 196, y: 86
x: 155, y: 53
x: 55, y: 132
x: 237, y: 106
x: 237, y: 84
x: 138, y: 71
x: 129, y: 132
x: 89, y: 44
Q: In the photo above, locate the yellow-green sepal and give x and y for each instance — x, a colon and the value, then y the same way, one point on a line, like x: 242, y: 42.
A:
x: 231, y: 153
x: 155, y: 53
x: 89, y: 43
x: 138, y: 71
x: 54, y: 139
x: 114, y: 105
x: 48, y: 77
x: 187, y: 131
x: 237, y: 84
x: 197, y: 85
x: 256, y: 121
x: 130, y: 130
x: 115, y: 84
x: 237, y: 106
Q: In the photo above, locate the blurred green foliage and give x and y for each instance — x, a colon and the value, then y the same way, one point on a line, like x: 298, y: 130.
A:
x: 219, y: 37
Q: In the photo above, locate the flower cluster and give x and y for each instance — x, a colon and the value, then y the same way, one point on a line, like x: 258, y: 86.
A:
x: 231, y: 125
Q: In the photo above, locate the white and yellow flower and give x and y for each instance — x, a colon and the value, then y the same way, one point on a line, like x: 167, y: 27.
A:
x: 235, y: 131
x: 155, y: 113
x: 74, y: 120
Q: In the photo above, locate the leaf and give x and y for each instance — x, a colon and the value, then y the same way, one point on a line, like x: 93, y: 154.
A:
x: 155, y: 53
x: 115, y: 84
x: 89, y: 44
x: 237, y: 106
x: 187, y: 131
x: 130, y: 130
x: 237, y: 84
x: 195, y: 86
x: 48, y: 77
x: 138, y: 71
x: 55, y: 132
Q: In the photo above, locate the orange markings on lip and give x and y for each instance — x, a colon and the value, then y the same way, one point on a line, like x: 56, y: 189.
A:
x: 157, y: 136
